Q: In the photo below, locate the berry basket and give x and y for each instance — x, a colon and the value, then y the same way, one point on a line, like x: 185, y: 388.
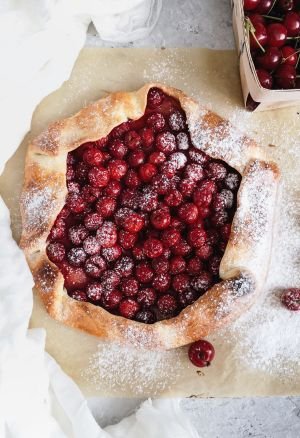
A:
x: 256, y: 97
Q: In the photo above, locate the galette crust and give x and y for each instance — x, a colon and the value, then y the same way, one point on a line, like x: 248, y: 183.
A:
x: 245, y: 262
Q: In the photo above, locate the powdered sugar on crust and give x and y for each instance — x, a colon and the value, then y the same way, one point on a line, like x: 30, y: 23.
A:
x: 38, y: 204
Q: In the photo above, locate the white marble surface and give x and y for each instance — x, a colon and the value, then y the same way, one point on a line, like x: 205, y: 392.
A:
x: 207, y: 23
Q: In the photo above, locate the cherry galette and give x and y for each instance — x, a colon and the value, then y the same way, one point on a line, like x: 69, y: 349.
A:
x: 128, y: 208
x: 147, y: 217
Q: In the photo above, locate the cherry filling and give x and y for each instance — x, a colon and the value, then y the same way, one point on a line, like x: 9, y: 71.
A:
x: 146, y: 219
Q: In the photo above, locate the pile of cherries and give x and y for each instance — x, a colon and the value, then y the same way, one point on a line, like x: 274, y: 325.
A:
x: 274, y: 27
x: 146, y: 219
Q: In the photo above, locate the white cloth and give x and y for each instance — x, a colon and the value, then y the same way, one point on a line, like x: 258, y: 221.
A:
x: 39, y: 43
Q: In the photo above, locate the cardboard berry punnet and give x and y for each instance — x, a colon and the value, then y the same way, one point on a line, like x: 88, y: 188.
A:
x: 256, y: 98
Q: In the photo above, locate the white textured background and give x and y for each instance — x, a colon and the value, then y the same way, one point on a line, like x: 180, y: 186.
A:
x: 207, y: 23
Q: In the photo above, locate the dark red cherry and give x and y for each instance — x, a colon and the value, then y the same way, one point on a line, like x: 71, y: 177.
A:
x: 286, y: 5
x: 289, y: 55
x: 264, y: 6
x: 285, y: 76
x: 292, y: 24
x: 261, y: 37
x: 270, y: 59
x: 277, y: 34
x: 264, y: 78
x: 201, y: 353
x: 249, y: 5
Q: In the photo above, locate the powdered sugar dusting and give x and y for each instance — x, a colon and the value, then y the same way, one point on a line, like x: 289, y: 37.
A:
x: 38, y: 205
x: 267, y: 338
x: 140, y: 372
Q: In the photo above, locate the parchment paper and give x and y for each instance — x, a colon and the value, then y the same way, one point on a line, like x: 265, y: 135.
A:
x: 212, y: 77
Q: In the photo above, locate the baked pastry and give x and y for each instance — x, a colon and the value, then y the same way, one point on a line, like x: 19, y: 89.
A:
x: 147, y: 218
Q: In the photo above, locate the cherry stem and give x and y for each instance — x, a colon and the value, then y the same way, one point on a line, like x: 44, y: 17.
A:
x: 250, y: 28
x: 272, y: 18
x: 290, y: 56
x: 272, y: 6
x: 293, y: 38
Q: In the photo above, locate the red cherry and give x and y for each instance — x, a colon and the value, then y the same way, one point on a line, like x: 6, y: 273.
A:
x: 167, y: 305
x: 202, y: 282
x: 182, y: 141
x: 136, y: 158
x: 249, y: 5
x: 111, y: 299
x: 110, y: 280
x: 157, y: 158
x: 75, y: 278
x: 98, y: 177
x: 187, y: 297
x: 146, y: 297
x: 155, y: 97
x: 94, y: 291
x: 264, y: 7
x: 286, y: 5
x: 153, y: 248
x: 95, y: 266
x: 186, y: 187
x: 107, y: 234
x: 93, y: 157
x: 261, y: 37
x: 120, y: 130
x: 289, y: 55
x: 56, y: 252
x: 77, y: 234
x: 204, y: 252
x: 90, y: 194
x: 181, y: 248
x: 173, y: 198
x: 177, y: 121
x: 106, y: 206
x: 292, y: 24
x: 156, y: 121
x: 197, y: 237
x: 161, y: 282
x: 177, y: 265
x: 166, y: 142
x: 285, y: 76
x: 145, y: 316
x: 75, y: 203
x: 133, y: 140
x: 128, y: 308
x: 170, y: 237
x: 194, y: 266
x: 76, y: 256
x: 181, y: 282
x: 201, y: 353
x: 113, y: 189
x: 78, y: 295
x: 144, y: 272
x: 160, y: 265
x: 160, y: 219
x: 188, y: 212
x: 117, y: 169
x: 147, y: 172
x: 270, y: 59
x: 91, y: 245
x: 277, y: 34
x: 100, y: 144
x: 118, y: 149
x: 112, y: 254
x: 92, y: 221
x: 256, y: 18
x: 264, y: 78
x: 291, y: 299
x: 147, y: 136
x: 130, y: 287
x: 124, y: 266
x: 194, y: 172
x: 216, y: 171
x: 127, y: 240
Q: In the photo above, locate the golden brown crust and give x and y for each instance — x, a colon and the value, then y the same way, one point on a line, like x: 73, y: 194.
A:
x: 245, y: 261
